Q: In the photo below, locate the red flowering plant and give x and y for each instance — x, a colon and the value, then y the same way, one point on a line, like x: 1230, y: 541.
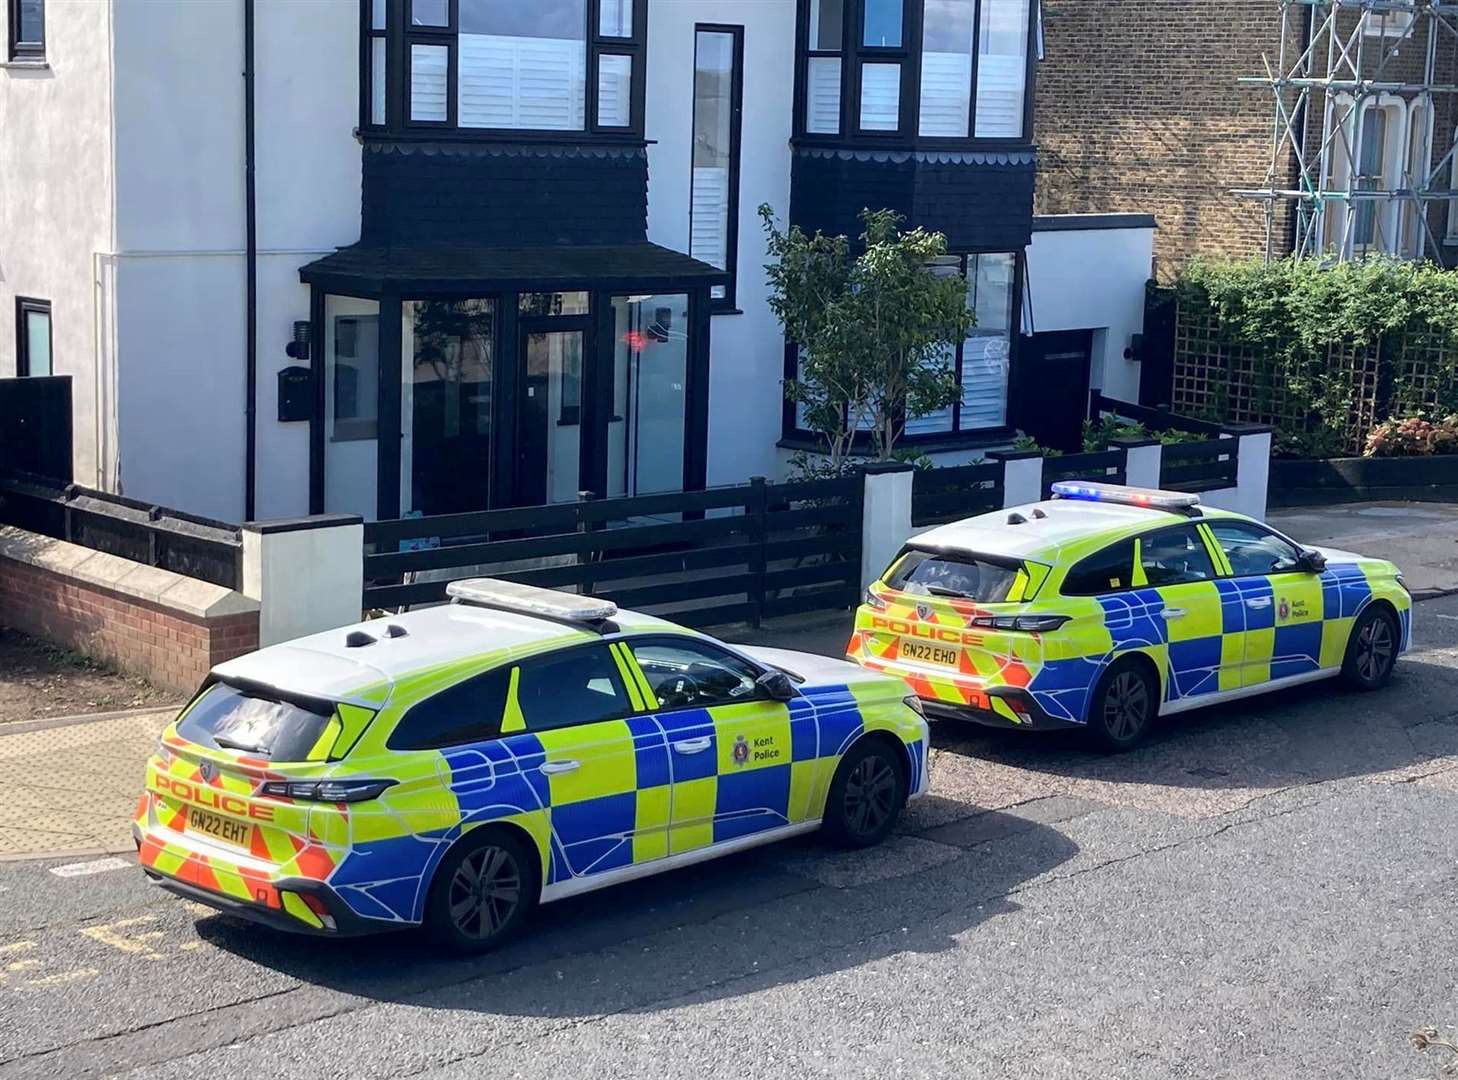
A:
x: 1413, y: 436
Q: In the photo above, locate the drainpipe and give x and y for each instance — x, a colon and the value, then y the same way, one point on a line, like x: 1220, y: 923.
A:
x: 250, y: 465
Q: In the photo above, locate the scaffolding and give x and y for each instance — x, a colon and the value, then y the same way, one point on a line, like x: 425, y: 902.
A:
x: 1352, y: 167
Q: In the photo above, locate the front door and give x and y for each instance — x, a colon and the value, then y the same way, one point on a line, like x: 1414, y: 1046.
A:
x: 1282, y: 603
x: 549, y: 446
x: 1050, y: 388
x: 730, y: 748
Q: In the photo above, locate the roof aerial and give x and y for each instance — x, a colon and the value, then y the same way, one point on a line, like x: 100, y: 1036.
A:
x: 531, y: 600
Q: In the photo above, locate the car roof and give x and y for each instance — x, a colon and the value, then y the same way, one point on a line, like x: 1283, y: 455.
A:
x: 325, y: 665
x: 1066, y: 528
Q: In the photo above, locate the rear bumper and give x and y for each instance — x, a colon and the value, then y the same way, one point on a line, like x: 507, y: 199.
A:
x: 1021, y: 702
x: 283, y: 901
x: 346, y: 922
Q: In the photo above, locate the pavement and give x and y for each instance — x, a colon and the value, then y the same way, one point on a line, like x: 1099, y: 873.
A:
x: 1422, y: 538
x: 1265, y: 889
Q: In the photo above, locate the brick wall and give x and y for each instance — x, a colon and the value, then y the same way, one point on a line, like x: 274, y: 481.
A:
x: 168, y: 629
x: 1138, y: 110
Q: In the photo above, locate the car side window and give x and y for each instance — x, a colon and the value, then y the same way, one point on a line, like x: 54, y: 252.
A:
x: 1253, y: 551
x: 1175, y: 557
x: 1104, y: 571
x: 694, y: 674
x: 579, y: 686
x: 468, y: 712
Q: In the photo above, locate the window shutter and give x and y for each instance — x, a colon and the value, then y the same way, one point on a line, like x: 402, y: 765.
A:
x: 822, y: 98
x: 709, y: 240
x: 984, y: 381
x: 946, y: 92
x: 1000, y: 96
x: 428, y: 67
x: 521, y: 82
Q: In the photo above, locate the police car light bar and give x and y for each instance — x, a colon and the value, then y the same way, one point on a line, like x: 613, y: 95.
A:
x: 1094, y: 491
x: 531, y: 600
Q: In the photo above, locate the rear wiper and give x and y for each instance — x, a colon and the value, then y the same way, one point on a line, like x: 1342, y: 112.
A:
x: 942, y: 590
x: 236, y: 744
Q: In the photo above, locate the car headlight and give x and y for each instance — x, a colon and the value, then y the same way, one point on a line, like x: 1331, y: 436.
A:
x: 914, y: 703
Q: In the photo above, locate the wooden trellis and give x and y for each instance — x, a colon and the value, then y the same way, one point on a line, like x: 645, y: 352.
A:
x: 1218, y: 377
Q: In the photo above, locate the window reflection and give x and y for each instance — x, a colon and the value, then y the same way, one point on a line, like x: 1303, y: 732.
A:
x: 650, y: 373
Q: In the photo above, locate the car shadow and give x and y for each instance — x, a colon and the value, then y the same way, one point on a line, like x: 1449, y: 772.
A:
x: 746, y: 922
x: 1307, y: 734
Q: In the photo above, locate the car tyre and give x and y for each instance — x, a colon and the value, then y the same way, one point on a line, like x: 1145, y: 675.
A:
x: 483, y: 891
x: 1371, y: 650
x: 1122, y: 708
x: 866, y: 795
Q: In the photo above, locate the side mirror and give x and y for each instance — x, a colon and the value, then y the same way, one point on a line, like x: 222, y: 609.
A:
x: 776, y: 686
x: 1314, y: 561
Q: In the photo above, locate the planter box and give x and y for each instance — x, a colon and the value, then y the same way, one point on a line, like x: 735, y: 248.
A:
x: 1339, y: 480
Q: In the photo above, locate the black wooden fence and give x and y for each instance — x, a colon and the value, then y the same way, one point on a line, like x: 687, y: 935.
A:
x: 1107, y: 466
x: 941, y: 495
x: 35, y: 428
x: 734, y: 554
x: 194, y: 547
x: 1200, y: 466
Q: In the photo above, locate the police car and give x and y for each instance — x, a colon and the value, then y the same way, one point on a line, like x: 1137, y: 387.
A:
x: 1108, y: 606
x: 457, y: 765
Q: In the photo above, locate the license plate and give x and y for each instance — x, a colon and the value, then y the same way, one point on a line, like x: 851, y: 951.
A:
x: 915, y: 650
x: 218, y: 827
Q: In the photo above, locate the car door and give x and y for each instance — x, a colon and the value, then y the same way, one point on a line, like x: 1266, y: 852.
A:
x: 1284, y: 631
x: 605, y: 770
x: 731, y: 748
x: 1175, y: 575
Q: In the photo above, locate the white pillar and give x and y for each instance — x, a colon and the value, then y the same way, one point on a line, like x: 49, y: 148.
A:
x: 1253, y: 472
x: 1143, y: 460
x: 886, y: 517
x: 307, y: 574
x: 1022, y: 476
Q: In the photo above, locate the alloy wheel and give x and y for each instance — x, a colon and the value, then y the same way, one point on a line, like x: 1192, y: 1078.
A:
x: 485, y: 892
x: 1126, y: 706
x: 870, y: 795
x: 1374, y: 649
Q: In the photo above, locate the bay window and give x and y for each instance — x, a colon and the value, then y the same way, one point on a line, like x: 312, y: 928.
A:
x: 550, y: 66
x: 970, y: 57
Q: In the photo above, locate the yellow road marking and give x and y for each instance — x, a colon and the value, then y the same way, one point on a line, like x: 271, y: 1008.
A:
x: 137, y: 944
x: 61, y: 978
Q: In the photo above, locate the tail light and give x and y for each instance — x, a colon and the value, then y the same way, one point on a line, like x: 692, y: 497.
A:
x: 1029, y: 624
x: 332, y: 791
x: 874, y: 600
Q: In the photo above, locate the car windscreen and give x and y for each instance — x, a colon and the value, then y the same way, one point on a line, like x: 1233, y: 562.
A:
x: 229, y: 718
x: 956, y: 574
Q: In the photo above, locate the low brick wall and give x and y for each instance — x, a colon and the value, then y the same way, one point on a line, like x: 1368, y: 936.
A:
x: 165, y: 627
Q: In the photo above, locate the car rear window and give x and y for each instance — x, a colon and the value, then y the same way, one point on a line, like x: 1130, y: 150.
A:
x: 956, y: 574
x: 228, y: 718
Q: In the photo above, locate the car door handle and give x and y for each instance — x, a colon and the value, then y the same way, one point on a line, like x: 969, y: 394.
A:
x: 551, y: 768
x: 1259, y: 601
x: 694, y: 746
x: 1173, y: 613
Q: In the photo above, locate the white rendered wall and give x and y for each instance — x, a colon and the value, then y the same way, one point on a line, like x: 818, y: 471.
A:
x: 181, y: 269
x: 747, y: 359
x: 1093, y: 279
x: 56, y: 206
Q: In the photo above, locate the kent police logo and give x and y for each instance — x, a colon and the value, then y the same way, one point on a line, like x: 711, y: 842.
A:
x: 923, y: 611
x: 1285, y: 609
x: 207, y: 770
x: 741, y: 750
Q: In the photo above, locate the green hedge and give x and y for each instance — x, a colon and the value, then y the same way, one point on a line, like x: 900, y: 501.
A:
x: 1321, y: 351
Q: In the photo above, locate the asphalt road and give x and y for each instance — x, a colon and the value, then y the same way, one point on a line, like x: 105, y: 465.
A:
x: 1266, y: 890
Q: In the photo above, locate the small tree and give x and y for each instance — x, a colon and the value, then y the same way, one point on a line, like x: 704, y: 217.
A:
x: 876, y: 331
